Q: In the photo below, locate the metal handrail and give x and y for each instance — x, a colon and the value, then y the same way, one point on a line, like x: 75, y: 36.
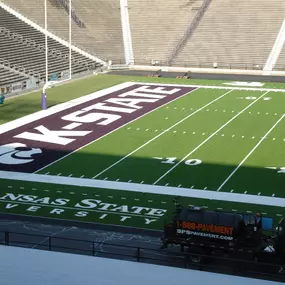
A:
x: 139, y: 254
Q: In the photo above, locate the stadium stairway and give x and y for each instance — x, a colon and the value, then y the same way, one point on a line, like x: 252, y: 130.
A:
x: 280, y: 64
x: 102, y: 35
x: 22, y: 44
x: 157, y: 26
x: 236, y: 34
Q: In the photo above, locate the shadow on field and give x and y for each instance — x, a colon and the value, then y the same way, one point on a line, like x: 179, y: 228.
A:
x: 194, y: 174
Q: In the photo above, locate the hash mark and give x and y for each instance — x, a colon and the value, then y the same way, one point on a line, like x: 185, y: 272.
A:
x: 273, y: 139
x: 156, y: 130
x: 219, y: 208
x: 166, y: 184
x: 47, y: 173
x: 142, y: 182
x: 118, y: 180
x: 58, y: 191
x: 249, y: 211
x: 123, y: 198
x: 253, y: 137
x: 184, y: 132
x: 192, y: 186
x: 58, y: 174
x: 130, y: 181
x: 179, y: 185
x: 34, y: 188
x: 22, y: 188
x: 194, y: 133
x: 137, y: 199
x: 84, y: 194
x: 138, y: 129
x: 150, y: 201
x: 106, y: 178
x: 273, y: 195
x: 9, y: 186
x: 146, y: 130
x: 71, y: 193
x: 203, y: 134
x: 234, y: 210
x: 46, y: 190
x: 81, y: 176
x: 233, y: 136
x: 259, y: 193
x: 110, y: 197
x: 242, y: 137
x: 232, y: 191
x: 69, y: 175
x: 166, y: 118
x: 174, y: 132
x: 128, y: 128
x: 245, y: 192
x: 162, y: 202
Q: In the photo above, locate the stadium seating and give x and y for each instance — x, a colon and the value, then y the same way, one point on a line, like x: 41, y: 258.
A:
x: 102, y: 35
x: 280, y: 64
x: 240, y: 33
x: 157, y: 26
x: 8, y: 77
x: 23, y: 45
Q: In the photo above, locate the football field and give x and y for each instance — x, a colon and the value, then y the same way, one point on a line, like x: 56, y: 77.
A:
x: 127, y: 154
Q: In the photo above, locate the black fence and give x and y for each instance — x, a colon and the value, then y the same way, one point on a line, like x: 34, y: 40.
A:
x: 170, y: 257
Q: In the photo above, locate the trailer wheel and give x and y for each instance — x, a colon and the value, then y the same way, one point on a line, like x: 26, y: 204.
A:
x: 196, y: 258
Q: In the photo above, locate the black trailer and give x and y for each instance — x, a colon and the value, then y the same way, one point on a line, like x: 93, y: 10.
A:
x: 203, y: 233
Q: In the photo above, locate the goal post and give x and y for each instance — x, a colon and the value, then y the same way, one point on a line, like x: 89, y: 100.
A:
x: 52, y: 83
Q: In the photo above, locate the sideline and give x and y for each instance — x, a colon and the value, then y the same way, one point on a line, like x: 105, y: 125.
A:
x: 144, y: 188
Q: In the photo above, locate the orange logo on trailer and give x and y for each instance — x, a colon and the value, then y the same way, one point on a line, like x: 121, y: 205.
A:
x: 208, y: 228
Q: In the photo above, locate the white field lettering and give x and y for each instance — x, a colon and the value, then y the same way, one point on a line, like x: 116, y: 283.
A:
x: 76, y: 127
x: 82, y: 209
x: 207, y: 139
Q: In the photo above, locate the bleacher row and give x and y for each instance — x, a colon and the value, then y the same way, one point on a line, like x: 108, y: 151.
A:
x: 233, y: 34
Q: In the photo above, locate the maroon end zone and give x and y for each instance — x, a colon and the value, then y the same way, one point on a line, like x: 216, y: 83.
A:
x: 35, y: 145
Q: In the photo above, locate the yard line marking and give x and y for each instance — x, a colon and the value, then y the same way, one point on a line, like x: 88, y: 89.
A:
x: 201, y: 144
x: 248, y: 155
x: 160, y: 134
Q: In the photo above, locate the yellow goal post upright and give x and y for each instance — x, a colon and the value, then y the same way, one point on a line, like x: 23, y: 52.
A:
x: 52, y: 83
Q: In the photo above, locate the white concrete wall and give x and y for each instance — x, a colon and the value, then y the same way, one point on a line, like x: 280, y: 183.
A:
x: 35, y: 267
